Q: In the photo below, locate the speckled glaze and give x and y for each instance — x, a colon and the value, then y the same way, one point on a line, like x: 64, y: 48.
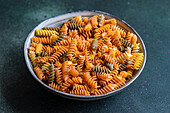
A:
x: 58, y: 21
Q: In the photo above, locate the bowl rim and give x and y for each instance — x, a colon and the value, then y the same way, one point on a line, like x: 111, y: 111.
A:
x: 83, y: 96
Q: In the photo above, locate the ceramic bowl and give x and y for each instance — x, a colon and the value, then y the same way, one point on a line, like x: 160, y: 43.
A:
x: 58, y: 21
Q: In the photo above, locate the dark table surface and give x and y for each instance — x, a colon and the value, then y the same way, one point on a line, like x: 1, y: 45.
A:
x: 19, y: 92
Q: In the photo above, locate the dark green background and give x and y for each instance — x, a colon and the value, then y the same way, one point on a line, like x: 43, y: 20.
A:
x: 149, y: 93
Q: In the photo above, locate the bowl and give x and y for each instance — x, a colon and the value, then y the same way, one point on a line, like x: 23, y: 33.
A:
x: 58, y: 21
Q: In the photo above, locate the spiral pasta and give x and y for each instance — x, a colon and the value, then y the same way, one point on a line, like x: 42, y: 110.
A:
x: 121, y: 48
x: 57, y: 29
x: 106, y: 89
x: 90, y: 81
x: 75, y: 26
x: 80, y: 92
x: 31, y: 49
x: 64, y: 29
x: 108, y: 43
x: 85, y: 20
x: 102, y: 29
x: 88, y: 27
x: 42, y: 40
x: 45, y: 66
x: 101, y: 69
x: 66, y: 70
x: 39, y: 73
x: 49, y: 50
x: 73, y: 71
x: 138, y: 62
x: 119, y: 81
x: 85, y: 56
x: 129, y: 73
x: 122, y: 32
x: 121, y: 58
x: 109, y: 65
x: 51, y: 76
x: 101, y: 20
x: 55, y: 86
x: 44, y: 59
x: 33, y: 58
x: 97, y: 35
x: 136, y: 48
x: 55, y: 56
x: 77, y: 80
x: 79, y: 87
x: 123, y: 74
x: 103, y: 76
x: 58, y: 75
x: 78, y: 20
x: 110, y: 21
x: 86, y: 34
x: 94, y: 22
x: 72, y: 48
x: 129, y: 36
x: 63, y: 42
x: 124, y: 65
x: 111, y: 60
x: 124, y: 42
x: 44, y: 32
x: 43, y: 54
x: 58, y: 64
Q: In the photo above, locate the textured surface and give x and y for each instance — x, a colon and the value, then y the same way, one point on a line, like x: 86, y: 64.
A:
x: 19, y: 92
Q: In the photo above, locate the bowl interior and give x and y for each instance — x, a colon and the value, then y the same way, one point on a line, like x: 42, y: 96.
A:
x: 58, y: 21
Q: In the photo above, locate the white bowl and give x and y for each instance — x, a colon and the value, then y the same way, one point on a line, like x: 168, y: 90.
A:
x: 58, y: 21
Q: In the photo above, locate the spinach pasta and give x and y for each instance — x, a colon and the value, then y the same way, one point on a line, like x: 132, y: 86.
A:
x: 85, y: 56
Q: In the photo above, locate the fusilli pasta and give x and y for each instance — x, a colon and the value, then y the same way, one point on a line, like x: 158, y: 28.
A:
x: 85, y: 56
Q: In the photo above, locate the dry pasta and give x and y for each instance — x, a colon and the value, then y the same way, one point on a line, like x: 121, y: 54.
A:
x: 85, y: 56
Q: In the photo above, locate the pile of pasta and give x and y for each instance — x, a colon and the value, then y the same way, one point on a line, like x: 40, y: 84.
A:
x: 85, y: 56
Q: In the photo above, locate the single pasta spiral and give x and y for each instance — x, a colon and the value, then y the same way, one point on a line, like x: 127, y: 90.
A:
x: 80, y: 92
x: 94, y: 22
x: 101, y: 69
x: 101, y: 20
x: 66, y: 70
x: 44, y: 32
x: 136, y: 48
x: 73, y: 48
x: 45, y: 66
x: 78, y: 20
x: 103, y: 76
x: 51, y: 28
x: 119, y: 81
x: 121, y: 58
x: 79, y: 87
x: 55, y: 86
x: 64, y: 29
x: 122, y: 32
x: 102, y: 29
x: 55, y: 56
x: 33, y: 58
x: 51, y: 76
x: 63, y: 42
x: 106, y: 89
x: 124, y: 42
x: 124, y: 65
x: 90, y: 81
x: 139, y: 61
x: 41, y: 40
x: 58, y: 74
x: 39, y: 73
